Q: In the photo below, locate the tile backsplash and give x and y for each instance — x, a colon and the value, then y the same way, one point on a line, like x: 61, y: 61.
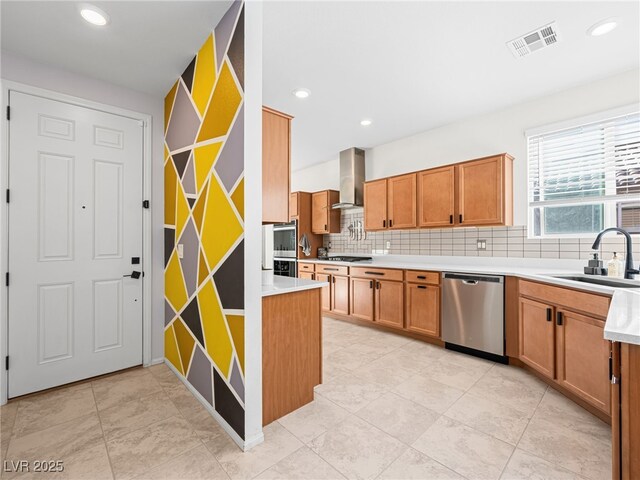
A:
x: 498, y: 242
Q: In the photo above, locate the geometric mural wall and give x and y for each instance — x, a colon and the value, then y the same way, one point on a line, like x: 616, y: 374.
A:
x: 204, y: 209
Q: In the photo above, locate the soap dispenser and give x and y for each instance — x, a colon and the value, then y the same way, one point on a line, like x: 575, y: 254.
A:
x: 615, y: 267
x: 595, y: 266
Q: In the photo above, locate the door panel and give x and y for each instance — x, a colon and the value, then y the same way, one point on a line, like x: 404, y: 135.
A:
x: 402, y: 201
x: 436, y: 197
x: 319, y: 212
x: 423, y: 309
x: 362, y: 298
x: 536, y: 336
x: 375, y: 205
x: 480, y: 192
x: 75, y: 221
x: 340, y: 295
x: 583, y: 358
x: 325, y: 295
x: 390, y: 303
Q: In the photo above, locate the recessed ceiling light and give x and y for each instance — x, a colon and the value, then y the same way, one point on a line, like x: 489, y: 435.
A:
x: 301, y: 92
x: 365, y: 123
x: 603, y: 27
x: 94, y: 15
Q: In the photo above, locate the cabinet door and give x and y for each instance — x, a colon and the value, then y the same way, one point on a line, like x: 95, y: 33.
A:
x: 320, y: 212
x: 362, y: 298
x: 389, y: 303
x: 293, y: 206
x: 480, y: 192
x: 375, y: 205
x: 401, y: 201
x: 340, y: 294
x: 436, y: 197
x: 325, y: 296
x: 583, y: 358
x: 275, y: 167
x: 306, y: 275
x: 423, y: 309
x: 536, y: 336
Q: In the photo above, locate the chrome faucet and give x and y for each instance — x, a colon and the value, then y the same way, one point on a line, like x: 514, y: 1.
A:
x: 629, y: 271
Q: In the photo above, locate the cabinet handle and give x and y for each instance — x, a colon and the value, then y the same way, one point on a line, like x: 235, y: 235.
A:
x: 422, y: 277
x: 451, y: 219
x: 378, y: 286
x: 330, y: 269
x: 548, y: 314
x: 373, y: 273
x: 559, y: 318
x: 313, y: 276
x: 370, y: 283
x: 390, y: 223
x: 333, y: 279
x: 325, y: 227
x: 460, y: 218
x: 384, y: 223
x: 422, y: 287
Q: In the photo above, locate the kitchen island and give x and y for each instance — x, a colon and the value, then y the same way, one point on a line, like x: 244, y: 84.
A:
x: 291, y: 345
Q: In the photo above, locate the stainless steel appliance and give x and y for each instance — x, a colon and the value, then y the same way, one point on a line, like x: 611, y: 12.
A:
x: 351, y: 259
x: 285, y: 246
x: 351, y: 179
x: 473, y: 314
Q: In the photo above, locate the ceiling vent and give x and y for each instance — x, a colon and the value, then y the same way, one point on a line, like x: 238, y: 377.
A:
x: 538, y: 39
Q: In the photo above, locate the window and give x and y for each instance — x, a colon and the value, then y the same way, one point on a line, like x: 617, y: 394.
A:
x: 585, y: 177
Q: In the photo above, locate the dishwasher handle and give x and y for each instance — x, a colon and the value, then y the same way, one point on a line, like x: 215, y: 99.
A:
x: 470, y: 282
x: 468, y: 279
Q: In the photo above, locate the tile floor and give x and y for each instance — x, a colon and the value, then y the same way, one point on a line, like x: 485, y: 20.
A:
x: 390, y: 408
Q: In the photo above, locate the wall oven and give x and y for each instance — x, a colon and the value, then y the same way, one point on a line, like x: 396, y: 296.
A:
x: 284, y: 249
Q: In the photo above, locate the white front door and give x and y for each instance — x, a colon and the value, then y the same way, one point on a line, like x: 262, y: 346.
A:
x: 75, y: 224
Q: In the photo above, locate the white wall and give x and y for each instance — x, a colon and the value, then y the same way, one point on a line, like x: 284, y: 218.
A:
x: 497, y: 132
x: 19, y: 69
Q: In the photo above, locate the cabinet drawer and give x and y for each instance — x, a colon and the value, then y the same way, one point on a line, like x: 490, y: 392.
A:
x: 306, y: 267
x: 332, y: 269
x: 416, y: 276
x: 593, y: 304
x: 379, y: 273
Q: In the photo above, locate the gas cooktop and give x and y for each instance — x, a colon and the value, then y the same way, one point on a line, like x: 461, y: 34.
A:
x: 347, y: 259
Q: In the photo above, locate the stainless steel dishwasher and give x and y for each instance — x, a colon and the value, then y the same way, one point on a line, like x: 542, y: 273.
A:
x: 473, y: 314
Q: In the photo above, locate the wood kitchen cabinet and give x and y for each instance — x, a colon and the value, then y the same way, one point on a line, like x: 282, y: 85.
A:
x: 276, y: 165
x: 325, y: 296
x: 306, y: 275
x: 294, y: 210
x: 362, y: 298
x: 436, y: 197
x: 324, y: 219
x: 375, y: 205
x: 536, y: 336
x: 300, y: 210
x: 389, y: 303
x: 378, y: 294
x: 485, y: 191
x: 340, y: 294
x: 423, y: 303
x: 401, y: 201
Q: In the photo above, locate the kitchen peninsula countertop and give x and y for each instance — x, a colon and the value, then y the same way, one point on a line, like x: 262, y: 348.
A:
x: 283, y: 285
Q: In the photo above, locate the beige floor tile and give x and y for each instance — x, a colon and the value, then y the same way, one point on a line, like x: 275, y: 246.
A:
x: 7, y: 420
x: 139, y: 451
x: 469, y: 452
x: 313, y: 419
x: 510, y: 386
x: 164, y: 376
x: 195, y: 464
x: 385, y: 376
x: 302, y: 464
x: 58, y: 442
x: 278, y: 444
x: 115, y: 390
x: 501, y: 421
x: 332, y: 371
x: 400, y: 418
x: 184, y: 401
x: 350, y: 392
x: 464, y: 360
x: 524, y: 466
x: 52, y: 408
x: 413, y: 465
x: 352, y: 357
x: 429, y: 393
x: 577, y: 451
x: 129, y: 416
x: 205, y: 426
x: 357, y: 449
x: 401, y: 361
x: 462, y: 377
x: 423, y: 351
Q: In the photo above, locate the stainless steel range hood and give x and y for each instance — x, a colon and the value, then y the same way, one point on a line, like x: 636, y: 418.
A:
x: 351, y: 179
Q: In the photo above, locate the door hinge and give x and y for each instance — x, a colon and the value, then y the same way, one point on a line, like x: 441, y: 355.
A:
x: 145, y: 204
x: 8, y: 195
x: 8, y: 112
x: 6, y: 279
x: 6, y: 362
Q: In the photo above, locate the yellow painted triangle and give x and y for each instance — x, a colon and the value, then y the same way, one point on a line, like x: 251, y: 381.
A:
x: 198, y: 208
x: 185, y: 343
x: 216, y: 338
x: 171, y: 349
x: 205, y: 158
x: 204, y: 76
x: 203, y: 271
x: 170, y: 183
x: 174, y: 288
x: 222, y: 108
x: 182, y: 211
x: 236, y: 327
x: 168, y: 104
x: 238, y: 198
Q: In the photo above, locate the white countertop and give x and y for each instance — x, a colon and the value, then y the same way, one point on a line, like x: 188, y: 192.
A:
x: 623, y: 320
x: 289, y: 285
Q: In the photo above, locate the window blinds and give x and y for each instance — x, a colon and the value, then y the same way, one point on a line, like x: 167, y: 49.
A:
x: 593, y: 163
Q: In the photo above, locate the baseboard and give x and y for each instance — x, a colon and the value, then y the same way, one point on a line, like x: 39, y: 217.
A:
x: 243, y: 444
x: 156, y: 361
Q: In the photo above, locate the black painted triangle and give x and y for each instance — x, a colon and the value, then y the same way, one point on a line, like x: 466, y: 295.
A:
x: 180, y: 161
x: 191, y: 202
x: 191, y: 316
x: 229, y: 279
x: 227, y: 404
x: 187, y: 75
x: 169, y: 243
x: 236, y: 50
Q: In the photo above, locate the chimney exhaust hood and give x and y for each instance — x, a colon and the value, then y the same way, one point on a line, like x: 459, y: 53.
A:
x: 351, y: 179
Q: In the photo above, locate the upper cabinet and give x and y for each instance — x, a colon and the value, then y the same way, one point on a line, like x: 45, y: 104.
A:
x: 474, y: 193
x: 276, y: 160
x: 390, y: 203
x: 323, y: 218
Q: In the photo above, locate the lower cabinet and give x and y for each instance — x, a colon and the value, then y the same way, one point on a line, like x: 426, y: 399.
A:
x: 389, y: 303
x: 423, y: 309
x: 325, y: 294
x: 536, y: 336
x: 306, y: 275
x: 340, y: 294
x: 362, y: 298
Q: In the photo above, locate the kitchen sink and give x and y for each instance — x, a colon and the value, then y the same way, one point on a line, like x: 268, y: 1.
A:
x: 607, y: 282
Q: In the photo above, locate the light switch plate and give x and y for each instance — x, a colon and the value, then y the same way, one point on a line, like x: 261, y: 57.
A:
x: 482, y: 244
x: 180, y: 250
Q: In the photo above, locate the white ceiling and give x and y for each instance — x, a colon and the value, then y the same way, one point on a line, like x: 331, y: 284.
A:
x: 146, y: 46
x: 412, y: 66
